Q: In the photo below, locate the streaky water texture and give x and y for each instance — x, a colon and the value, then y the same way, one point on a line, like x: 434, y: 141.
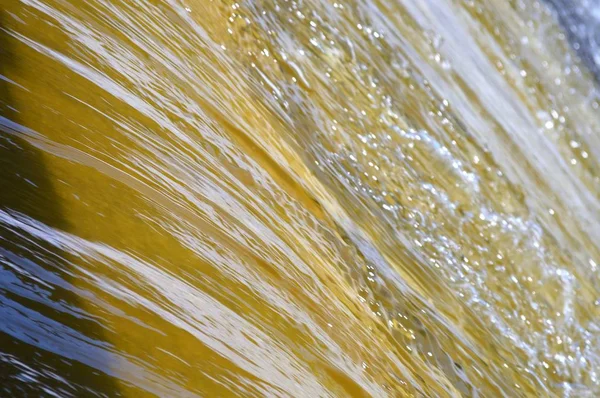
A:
x: 301, y: 198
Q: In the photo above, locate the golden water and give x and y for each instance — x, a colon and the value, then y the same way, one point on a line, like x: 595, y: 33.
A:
x: 296, y: 198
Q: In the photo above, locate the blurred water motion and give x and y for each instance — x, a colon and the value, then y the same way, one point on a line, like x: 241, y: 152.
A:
x: 299, y: 198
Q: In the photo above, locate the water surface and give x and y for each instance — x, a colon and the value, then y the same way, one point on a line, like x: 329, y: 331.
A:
x: 297, y: 198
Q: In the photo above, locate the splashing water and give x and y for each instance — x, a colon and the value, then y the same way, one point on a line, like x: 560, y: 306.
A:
x: 299, y: 198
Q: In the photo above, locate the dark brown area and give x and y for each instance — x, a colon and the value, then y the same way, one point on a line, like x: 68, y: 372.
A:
x: 26, y: 190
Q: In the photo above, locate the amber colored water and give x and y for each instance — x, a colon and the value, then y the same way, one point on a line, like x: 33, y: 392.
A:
x: 298, y: 199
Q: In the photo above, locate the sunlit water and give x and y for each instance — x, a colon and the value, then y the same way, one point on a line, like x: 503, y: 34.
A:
x: 298, y: 198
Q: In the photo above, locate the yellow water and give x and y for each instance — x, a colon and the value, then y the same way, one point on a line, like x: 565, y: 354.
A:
x: 296, y: 198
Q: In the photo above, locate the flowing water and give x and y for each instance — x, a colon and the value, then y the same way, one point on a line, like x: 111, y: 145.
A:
x: 298, y: 198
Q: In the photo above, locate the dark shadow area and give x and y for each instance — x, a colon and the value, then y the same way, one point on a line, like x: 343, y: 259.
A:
x: 37, y: 309
x: 582, y: 27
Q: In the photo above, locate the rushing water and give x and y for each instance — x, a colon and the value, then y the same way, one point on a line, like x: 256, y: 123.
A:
x: 299, y: 198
